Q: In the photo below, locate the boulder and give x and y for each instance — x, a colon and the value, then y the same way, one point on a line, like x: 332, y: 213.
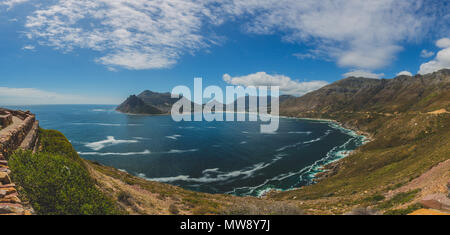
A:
x: 9, y: 190
x: 3, y: 193
x: 436, y: 201
x: 6, y: 120
x: 4, y: 169
x: 4, y: 178
x: 10, y: 199
x: 7, y: 208
x: 7, y: 186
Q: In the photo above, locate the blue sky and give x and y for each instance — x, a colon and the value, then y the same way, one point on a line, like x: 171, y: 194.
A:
x: 101, y: 51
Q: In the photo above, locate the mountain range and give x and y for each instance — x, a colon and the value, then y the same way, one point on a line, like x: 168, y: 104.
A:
x: 407, y: 120
x: 155, y: 103
x: 353, y: 94
x: 400, y: 94
x: 402, y: 169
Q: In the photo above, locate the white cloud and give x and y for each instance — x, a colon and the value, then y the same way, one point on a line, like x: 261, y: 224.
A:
x: 358, y: 34
x: 442, y: 59
x: 28, y: 47
x: 138, y: 34
x: 31, y: 96
x: 443, y: 43
x: 407, y: 73
x: 145, y: 34
x: 363, y: 73
x: 12, y: 3
x: 426, y: 54
x: 286, y: 84
x: 303, y: 56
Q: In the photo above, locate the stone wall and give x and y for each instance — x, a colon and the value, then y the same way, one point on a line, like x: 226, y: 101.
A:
x: 11, y: 140
x: 21, y: 131
x: 5, y: 120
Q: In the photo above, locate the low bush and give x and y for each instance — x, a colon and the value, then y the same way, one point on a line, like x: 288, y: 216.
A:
x: 55, y: 184
x: 405, y: 211
x: 374, y: 198
x: 55, y: 180
x: 398, y: 199
x: 52, y: 141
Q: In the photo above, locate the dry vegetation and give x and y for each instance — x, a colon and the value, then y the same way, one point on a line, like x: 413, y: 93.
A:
x: 140, y: 196
x: 405, y: 146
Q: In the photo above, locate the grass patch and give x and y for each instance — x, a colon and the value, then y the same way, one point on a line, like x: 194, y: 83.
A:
x: 405, y: 211
x: 394, y: 157
x: 398, y: 199
x: 125, y: 198
x: 374, y: 198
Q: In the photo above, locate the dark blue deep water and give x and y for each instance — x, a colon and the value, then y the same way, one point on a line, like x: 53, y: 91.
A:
x: 214, y: 157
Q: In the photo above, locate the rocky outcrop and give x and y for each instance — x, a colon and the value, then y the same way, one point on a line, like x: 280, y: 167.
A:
x: 437, y: 202
x: 152, y: 103
x: 135, y: 105
x: 19, y: 130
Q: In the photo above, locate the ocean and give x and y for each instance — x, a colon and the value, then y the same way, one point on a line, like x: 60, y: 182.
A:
x: 213, y: 157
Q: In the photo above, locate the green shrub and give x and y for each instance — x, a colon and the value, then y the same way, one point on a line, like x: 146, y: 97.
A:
x: 374, y: 198
x: 398, y: 199
x: 51, y: 141
x: 406, y: 211
x: 55, y: 184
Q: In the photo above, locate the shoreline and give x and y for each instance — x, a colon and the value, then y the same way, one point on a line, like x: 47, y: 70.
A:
x: 326, y: 170
x: 359, y: 132
x: 332, y: 167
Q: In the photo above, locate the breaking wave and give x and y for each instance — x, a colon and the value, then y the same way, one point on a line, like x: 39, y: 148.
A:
x: 306, y: 175
x: 173, y: 151
x: 146, y: 152
x: 300, y: 132
x: 102, y: 110
x: 303, y: 142
x: 110, y: 140
x: 215, y: 175
x: 104, y: 124
x: 115, y: 154
x: 174, y: 137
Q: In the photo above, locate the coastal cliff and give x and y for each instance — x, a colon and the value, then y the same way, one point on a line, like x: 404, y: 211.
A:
x: 404, y: 168
x: 408, y: 120
x: 135, y: 105
x: 151, y: 103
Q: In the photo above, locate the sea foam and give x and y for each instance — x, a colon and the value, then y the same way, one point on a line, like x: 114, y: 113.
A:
x: 110, y: 140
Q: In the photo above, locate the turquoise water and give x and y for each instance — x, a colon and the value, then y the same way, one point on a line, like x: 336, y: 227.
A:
x: 214, y: 157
